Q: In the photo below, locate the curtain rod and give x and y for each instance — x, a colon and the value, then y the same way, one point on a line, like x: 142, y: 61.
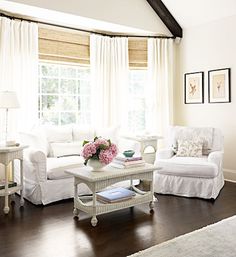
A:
x: 82, y: 30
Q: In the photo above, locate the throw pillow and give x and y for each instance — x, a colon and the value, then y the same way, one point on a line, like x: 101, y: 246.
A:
x: 189, y: 148
x: 203, y: 134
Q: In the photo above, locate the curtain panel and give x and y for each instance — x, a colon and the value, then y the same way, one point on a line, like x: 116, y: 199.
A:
x: 19, y: 70
x: 160, y: 86
x: 109, y: 70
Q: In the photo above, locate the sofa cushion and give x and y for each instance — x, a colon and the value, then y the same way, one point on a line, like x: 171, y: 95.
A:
x: 83, y: 133
x: 108, y: 133
x: 56, y: 166
x: 187, y: 167
x: 63, y: 149
x: 58, y: 133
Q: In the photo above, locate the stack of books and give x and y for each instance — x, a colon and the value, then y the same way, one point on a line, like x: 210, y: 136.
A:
x: 115, y: 195
x: 10, y: 184
x: 127, y: 162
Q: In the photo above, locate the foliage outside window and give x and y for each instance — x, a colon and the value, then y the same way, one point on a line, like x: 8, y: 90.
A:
x: 64, y: 94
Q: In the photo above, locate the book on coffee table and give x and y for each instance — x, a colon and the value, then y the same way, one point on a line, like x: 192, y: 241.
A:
x: 121, y: 162
x: 115, y: 195
x: 124, y: 166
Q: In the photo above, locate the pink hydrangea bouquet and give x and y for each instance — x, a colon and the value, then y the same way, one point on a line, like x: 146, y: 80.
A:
x: 100, y: 149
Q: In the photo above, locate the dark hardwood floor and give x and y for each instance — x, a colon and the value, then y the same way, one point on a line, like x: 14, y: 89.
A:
x: 50, y: 231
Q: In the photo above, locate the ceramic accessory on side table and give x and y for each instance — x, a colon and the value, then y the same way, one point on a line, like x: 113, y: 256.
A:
x: 128, y: 153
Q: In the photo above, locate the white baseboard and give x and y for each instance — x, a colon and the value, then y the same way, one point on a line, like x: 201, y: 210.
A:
x: 230, y: 175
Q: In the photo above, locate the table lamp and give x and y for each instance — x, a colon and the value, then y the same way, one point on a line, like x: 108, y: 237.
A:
x: 8, y: 100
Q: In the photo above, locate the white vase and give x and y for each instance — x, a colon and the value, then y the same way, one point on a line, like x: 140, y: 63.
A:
x: 96, y: 165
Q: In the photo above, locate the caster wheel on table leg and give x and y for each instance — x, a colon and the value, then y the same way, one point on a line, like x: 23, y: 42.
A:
x: 6, y: 210
x: 151, y: 205
x: 76, y: 213
x: 94, y: 221
x: 22, y: 201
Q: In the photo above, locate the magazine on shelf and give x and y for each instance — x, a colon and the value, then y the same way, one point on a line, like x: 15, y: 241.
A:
x: 10, y: 184
x: 114, y: 201
x: 115, y: 195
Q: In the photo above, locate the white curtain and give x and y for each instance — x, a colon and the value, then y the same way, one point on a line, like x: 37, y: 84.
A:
x: 19, y: 70
x: 160, y: 86
x: 109, y: 70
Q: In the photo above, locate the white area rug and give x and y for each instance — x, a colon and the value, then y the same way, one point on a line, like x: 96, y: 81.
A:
x: 217, y: 240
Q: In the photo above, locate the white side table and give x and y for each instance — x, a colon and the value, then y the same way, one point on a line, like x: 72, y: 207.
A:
x: 7, y: 155
x: 146, y: 141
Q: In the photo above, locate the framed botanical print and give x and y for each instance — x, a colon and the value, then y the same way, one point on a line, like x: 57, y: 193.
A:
x: 219, y: 86
x: 194, y: 88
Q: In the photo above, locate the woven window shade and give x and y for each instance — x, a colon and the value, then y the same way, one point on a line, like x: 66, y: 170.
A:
x: 61, y: 45
x: 57, y: 45
x: 137, y: 52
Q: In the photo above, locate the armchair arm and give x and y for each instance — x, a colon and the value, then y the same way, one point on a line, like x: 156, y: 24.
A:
x: 165, y: 153
x: 36, y: 162
x: 216, y: 157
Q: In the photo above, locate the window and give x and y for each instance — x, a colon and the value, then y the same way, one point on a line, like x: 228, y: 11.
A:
x: 64, y: 94
x: 136, y: 121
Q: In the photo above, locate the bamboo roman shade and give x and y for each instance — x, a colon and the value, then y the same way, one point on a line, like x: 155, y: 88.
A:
x: 59, y: 45
x: 66, y: 46
x: 137, y: 52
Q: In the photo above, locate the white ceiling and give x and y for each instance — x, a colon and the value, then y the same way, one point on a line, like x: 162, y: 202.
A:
x: 134, y: 17
x: 190, y: 13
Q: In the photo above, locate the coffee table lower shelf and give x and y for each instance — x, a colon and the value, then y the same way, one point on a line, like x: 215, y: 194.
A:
x: 97, y: 181
x: 100, y: 208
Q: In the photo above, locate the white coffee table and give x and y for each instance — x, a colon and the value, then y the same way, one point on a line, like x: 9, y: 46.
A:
x: 98, y: 180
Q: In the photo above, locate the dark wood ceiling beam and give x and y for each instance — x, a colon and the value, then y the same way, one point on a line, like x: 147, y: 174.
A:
x: 166, y: 17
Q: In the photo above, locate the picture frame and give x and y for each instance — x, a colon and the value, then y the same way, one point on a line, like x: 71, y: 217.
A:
x: 194, y: 87
x: 219, y: 88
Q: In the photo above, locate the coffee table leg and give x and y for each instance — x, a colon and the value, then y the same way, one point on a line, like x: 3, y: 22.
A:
x: 76, y: 213
x: 94, y: 221
x: 151, y: 205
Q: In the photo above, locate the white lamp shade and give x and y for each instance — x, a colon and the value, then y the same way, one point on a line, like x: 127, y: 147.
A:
x: 8, y: 99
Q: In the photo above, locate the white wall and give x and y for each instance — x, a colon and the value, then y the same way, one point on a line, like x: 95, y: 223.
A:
x: 133, y: 13
x: 206, y: 47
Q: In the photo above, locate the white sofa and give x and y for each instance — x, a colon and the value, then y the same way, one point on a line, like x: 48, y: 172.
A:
x: 51, y: 151
x: 191, y: 176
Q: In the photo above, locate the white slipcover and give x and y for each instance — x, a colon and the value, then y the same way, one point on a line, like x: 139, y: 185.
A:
x: 56, y: 166
x: 191, y: 176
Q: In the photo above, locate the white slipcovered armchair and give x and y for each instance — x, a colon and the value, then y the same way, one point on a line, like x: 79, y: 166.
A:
x: 191, y: 176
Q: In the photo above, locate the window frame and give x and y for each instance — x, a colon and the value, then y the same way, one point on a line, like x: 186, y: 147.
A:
x: 77, y: 111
